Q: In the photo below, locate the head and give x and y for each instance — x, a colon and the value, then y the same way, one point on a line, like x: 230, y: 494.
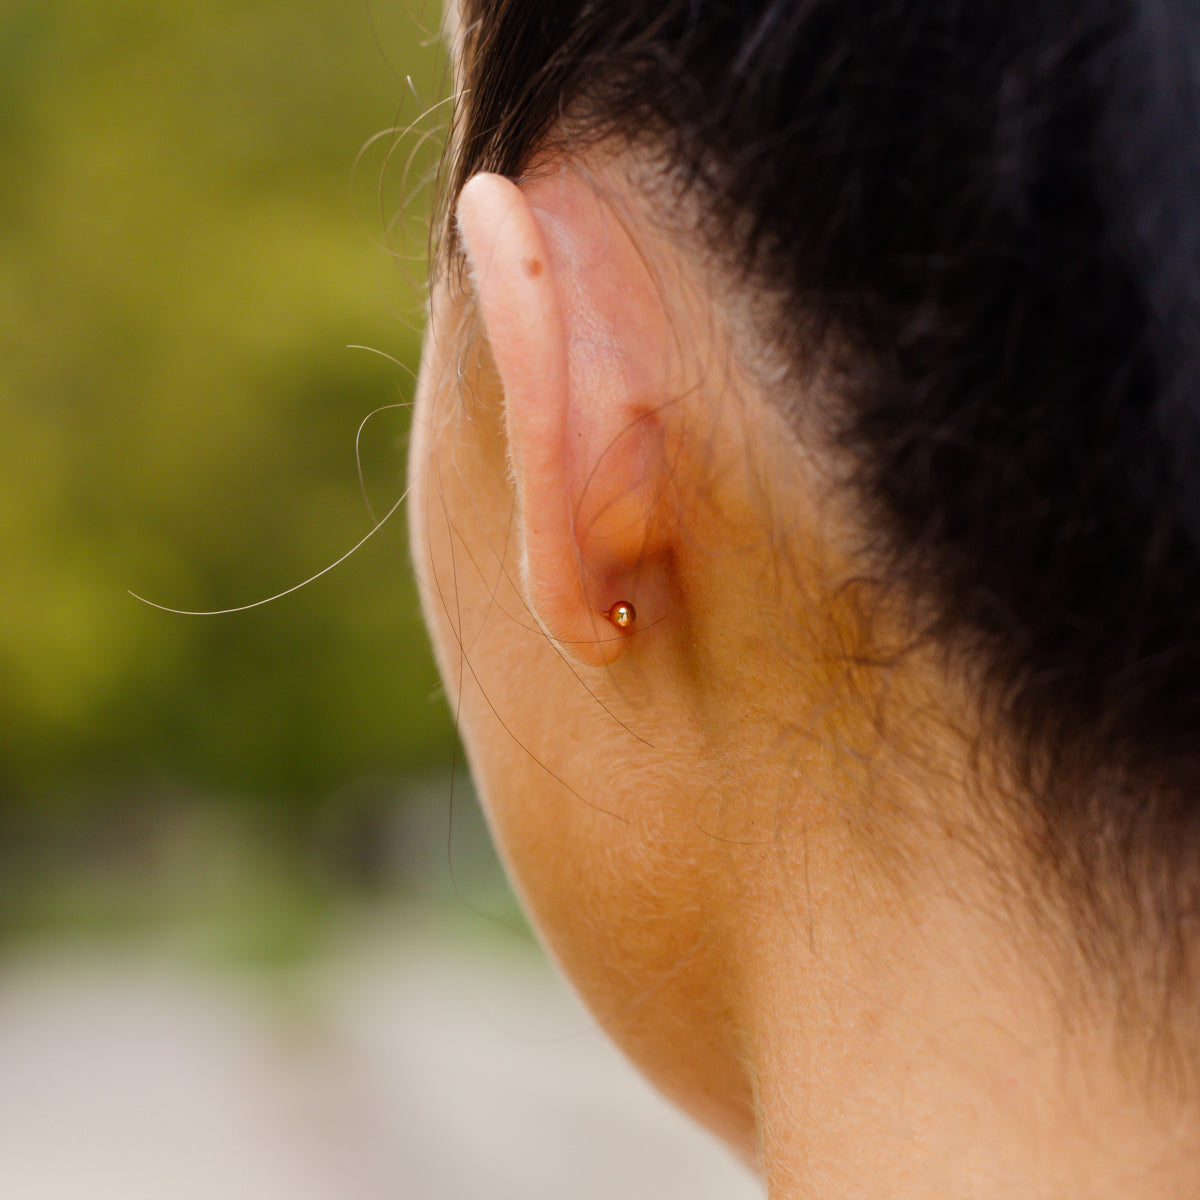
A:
x: 854, y: 346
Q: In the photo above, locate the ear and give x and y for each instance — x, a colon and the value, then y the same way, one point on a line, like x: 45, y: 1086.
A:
x: 577, y: 330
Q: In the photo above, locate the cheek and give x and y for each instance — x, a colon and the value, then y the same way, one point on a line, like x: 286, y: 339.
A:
x: 511, y: 693
x: 458, y: 498
x: 582, y: 794
x: 538, y: 740
x: 506, y: 685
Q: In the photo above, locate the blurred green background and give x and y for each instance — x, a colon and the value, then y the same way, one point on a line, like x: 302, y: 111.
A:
x: 202, y: 206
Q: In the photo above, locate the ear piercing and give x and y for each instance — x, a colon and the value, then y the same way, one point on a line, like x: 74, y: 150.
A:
x: 622, y: 614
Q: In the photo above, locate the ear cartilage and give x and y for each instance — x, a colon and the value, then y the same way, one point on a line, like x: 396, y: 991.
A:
x: 622, y: 614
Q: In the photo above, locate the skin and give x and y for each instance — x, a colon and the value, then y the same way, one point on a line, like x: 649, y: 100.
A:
x: 758, y: 860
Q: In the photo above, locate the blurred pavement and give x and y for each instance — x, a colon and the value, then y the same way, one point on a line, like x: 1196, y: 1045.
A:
x: 405, y: 1066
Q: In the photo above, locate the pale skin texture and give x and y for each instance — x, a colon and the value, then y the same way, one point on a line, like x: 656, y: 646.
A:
x: 758, y: 863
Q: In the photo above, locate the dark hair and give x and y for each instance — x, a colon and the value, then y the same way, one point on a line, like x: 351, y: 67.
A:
x: 994, y: 207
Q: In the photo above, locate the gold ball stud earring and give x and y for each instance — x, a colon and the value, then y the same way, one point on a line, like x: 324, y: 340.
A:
x: 622, y: 614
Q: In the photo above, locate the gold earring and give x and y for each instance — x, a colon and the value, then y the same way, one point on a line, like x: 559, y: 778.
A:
x: 622, y: 614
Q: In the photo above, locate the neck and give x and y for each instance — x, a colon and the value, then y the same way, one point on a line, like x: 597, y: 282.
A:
x: 921, y: 1050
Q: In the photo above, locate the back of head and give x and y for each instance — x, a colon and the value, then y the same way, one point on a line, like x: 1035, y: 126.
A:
x: 981, y: 219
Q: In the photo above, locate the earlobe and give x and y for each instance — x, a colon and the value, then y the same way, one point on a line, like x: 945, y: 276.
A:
x: 570, y: 329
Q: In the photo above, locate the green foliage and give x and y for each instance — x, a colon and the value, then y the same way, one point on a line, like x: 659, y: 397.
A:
x: 187, y: 248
